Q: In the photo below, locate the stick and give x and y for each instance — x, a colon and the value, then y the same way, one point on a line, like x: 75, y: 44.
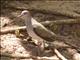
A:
x: 61, y: 22
x: 27, y: 57
x: 11, y: 29
x: 15, y: 56
x: 59, y: 55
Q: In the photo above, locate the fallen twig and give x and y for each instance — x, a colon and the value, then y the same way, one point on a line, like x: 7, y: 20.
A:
x: 11, y: 29
x: 15, y: 56
x: 24, y: 56
x: 66, y: 21
x: 59, y: 55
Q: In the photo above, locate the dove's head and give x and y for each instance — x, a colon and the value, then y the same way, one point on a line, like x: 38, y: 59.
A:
x: 25, y: 14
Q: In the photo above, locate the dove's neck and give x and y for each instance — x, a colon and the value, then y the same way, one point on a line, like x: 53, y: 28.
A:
x: 29, y: 26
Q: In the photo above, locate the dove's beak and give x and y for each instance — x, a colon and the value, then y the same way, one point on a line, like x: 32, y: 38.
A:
x: 19, y: 15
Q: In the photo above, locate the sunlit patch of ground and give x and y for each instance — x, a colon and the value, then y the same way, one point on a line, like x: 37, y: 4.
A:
x: 4, y: 21
x: 11, y: 45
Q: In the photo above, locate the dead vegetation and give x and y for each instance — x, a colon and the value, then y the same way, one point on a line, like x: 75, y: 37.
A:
x: 61, y: 18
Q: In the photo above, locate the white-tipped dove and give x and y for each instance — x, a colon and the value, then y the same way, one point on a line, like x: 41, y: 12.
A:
x: 25, y: 15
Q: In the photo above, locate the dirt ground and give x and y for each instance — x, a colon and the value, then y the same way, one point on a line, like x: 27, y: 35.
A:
x: 14, y: 45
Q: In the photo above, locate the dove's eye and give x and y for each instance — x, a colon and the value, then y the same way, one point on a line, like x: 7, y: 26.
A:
x: 24, y: 13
